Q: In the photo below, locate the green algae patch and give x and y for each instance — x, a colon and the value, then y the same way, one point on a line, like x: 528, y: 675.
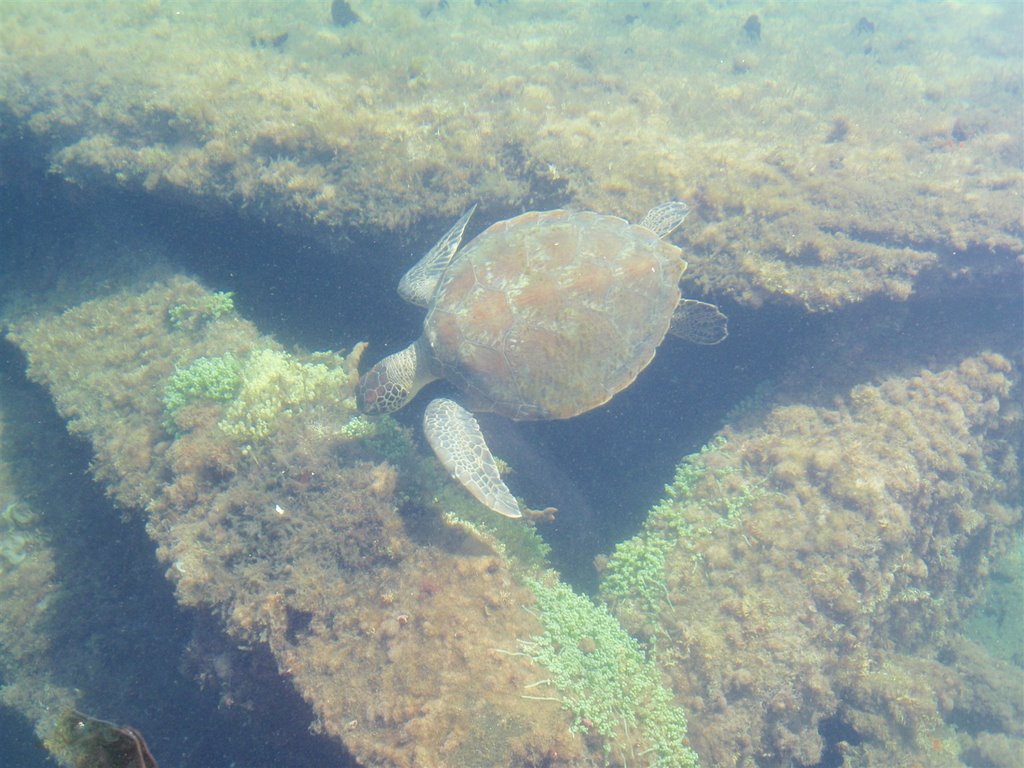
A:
x: 516, y: 539
x: 209, y: 307
x: 512, y: 538
x: 205, y: 378
x: 466, y: 524
x: 275, y: 385
x: 636, y: 570
x: 257, y: 392
x: 603, y: 677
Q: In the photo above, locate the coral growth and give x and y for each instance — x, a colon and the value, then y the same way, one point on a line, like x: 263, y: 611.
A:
x: 210, y: 307
x: 820, y: 566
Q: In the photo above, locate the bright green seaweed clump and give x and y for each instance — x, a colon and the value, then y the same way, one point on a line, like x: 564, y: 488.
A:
x: 209, y: 378
x: 260, y: 389
x: 606, y: 680
x: 636, y: 570
x: 208, y: 307
x: 274, y: 385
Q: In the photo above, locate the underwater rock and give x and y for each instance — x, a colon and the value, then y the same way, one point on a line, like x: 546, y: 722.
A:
x: 322, y: 545
x: 820, y: 564
x: 333, y: 136
x: 269, y: 41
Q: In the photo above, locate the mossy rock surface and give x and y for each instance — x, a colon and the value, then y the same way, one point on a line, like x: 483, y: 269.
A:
x: 827, y: 160
x: 819, y: 565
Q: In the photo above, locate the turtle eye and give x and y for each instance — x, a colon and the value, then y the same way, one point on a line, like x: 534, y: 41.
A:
x: 368, y: 391
x: 365, y: 400
x: 376, y: 393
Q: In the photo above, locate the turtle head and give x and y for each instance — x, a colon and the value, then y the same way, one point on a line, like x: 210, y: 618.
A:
x: 394, y: 381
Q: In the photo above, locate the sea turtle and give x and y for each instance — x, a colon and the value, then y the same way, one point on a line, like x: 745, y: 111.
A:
x: 543, y: 316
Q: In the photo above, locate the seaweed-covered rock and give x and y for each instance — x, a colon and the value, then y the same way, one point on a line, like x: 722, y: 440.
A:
x: 311, y: 540
x: 821, y: 173
x: 820, y: 566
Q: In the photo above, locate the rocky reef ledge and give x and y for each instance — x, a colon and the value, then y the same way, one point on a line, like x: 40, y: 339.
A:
x: 418, y: 632
x: 839, y: 153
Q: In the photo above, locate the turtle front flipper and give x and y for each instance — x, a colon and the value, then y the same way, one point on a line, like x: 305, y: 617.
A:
x: 699, y: 322
x: 664, y: 219
x: 418, y: 284
x: 456, y: 439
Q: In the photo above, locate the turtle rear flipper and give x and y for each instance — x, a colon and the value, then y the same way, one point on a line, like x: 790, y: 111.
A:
x: 418, y: 284
x: 699, y: 322
x: 458, y: 442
